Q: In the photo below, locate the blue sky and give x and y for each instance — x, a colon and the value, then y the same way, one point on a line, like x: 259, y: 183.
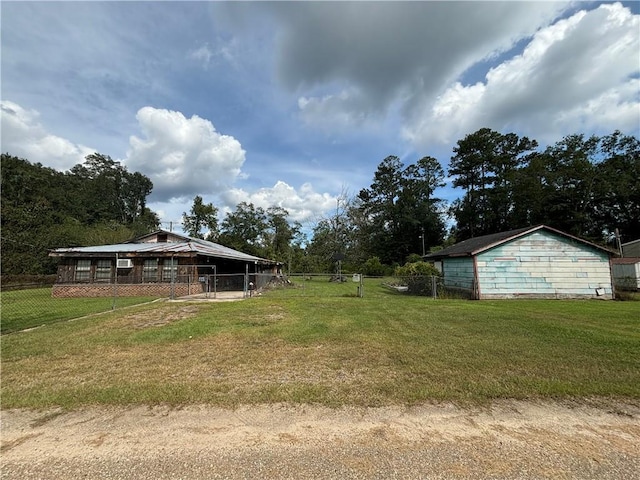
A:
x: 292, y: 104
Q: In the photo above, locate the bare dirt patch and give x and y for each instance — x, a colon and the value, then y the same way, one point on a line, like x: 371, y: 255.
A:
x: 161, y: 317
x: 509, y: 439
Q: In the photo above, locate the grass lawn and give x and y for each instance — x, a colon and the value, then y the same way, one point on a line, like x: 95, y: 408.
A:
x: 22, y: 309
x: 382, y: 349
x: 315, y: 285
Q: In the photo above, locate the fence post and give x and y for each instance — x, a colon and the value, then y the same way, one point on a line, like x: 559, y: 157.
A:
x: 434, y: 286
x: 172, y: 289
x: 115, y: 285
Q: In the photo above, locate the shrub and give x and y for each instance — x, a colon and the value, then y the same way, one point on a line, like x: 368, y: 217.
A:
x: 414, y: 258
x: 374, y: 268
x: 417, y: 276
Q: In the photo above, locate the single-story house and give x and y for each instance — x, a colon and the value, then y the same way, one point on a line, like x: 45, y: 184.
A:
x: 157, y: 264
x: 626, y: 273
x: 631, y: 249
x: 532, y: 262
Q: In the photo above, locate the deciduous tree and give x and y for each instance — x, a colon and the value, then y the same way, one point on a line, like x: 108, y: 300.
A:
x: 201, y: 220
x: 399, y: 206
x: 244, y: 229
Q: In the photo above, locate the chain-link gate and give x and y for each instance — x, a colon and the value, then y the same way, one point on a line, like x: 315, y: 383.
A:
x: 319, y: 285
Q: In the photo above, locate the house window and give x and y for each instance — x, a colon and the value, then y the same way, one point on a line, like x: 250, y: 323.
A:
x: 169, y: 269
x: 83, y: 270
x: 150, y: 270
x: 103, y: 271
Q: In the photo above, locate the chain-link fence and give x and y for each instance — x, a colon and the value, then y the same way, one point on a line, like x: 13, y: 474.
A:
x: 232, y: 285
x: 429, y: 286
x: 24, y: 306
x: 358, y: 285
x: 31, y: 305
x: 318, y: 285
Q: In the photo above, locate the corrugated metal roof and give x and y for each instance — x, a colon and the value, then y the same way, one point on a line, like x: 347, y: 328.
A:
x: 188, y: 246
x: 474, y: 246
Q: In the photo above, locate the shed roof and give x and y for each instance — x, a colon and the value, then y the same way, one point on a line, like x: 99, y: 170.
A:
x: 178, y: 245
x: 476, y: 245
x: 625, y: 261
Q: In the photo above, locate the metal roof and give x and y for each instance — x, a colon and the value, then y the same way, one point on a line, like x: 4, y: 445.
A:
x: 625, y: 261
x: 186, y: 246
x: 474, y: 246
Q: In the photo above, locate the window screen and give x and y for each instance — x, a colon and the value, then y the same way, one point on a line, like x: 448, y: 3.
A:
x: 150, y: 270
x: 169, y: 269
x: 103, y: 271
x: 83, y: 270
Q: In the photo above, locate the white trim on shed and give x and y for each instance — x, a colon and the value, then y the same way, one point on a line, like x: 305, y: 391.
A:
x: 536, y: 262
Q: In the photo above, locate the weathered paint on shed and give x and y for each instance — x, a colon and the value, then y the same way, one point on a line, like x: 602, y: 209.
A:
x: 543, y: 265
x: 458, y: 273
x: 532, y: 262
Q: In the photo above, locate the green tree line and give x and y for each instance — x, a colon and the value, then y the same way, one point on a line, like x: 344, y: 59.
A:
x: 264, y: 233
x: 94, y: 203
x: 585, y: 186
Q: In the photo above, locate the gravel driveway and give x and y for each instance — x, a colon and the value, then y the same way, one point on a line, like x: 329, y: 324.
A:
x: 508, y: 440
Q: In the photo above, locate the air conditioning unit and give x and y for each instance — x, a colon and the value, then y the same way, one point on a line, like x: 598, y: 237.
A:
x: 125, y: 263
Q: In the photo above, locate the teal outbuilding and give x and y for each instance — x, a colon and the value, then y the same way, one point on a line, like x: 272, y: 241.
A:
x: 532, y: 262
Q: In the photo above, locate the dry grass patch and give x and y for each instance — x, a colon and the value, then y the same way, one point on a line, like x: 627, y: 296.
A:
x: 248, y: 371
x: 337, y: 351
x: 163, y: 317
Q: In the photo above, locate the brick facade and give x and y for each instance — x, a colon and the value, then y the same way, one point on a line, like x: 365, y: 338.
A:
x: 124, y: 290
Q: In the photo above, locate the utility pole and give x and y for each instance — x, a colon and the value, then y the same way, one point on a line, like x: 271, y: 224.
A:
x: 619, y: 242
x: 422, y: 237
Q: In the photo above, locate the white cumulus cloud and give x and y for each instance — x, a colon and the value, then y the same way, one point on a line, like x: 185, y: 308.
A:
x: 580, y: 72
x: 23, y: 136
x: 303, y: 204
x: 183, y: 156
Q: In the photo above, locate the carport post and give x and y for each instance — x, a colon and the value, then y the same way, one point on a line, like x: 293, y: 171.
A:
x: 246, y: 279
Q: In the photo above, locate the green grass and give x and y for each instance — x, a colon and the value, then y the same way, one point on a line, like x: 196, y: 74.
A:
x: 315, y: 285
x: 336, y: 350
x: 22, y: 309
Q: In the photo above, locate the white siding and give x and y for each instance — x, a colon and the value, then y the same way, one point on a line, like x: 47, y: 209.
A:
x: 544, y: 265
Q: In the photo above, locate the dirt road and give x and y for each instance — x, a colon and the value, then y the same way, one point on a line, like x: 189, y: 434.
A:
x: 509, y: 440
